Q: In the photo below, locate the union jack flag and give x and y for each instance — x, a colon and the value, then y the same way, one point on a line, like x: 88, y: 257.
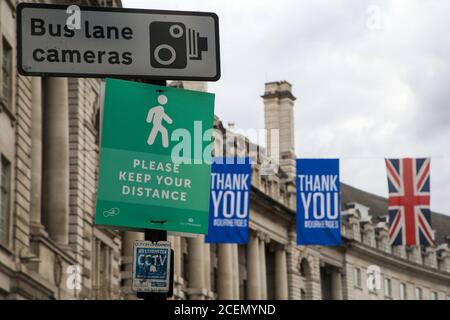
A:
x: 409, y: 202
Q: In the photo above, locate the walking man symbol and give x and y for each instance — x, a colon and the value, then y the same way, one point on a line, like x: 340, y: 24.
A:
x: 157, y: 115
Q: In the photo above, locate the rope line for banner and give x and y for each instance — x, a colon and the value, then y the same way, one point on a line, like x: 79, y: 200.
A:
x: 342, y: 157
x: 394, y: 157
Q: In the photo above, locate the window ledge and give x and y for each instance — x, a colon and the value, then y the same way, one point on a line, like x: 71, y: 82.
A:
x: 6, y: 248
x: 7, y: 111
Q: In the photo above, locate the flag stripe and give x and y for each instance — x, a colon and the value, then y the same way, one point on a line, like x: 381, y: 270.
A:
x: 425, y: 229
x: 393, y: 173
x: 424, y: 176
x: 409, y: 209
x: 394, y: 226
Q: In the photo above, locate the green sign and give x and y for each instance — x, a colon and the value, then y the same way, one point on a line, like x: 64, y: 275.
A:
x: 155, y: 158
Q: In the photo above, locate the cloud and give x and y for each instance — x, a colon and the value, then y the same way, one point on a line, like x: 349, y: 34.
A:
x: 371, y: 78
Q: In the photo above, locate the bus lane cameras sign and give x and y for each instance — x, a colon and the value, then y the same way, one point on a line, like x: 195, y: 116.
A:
x: 117, y: 42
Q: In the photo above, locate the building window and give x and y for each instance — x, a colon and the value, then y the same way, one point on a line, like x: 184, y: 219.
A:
x: 5, y: 192
x: 242, y: 261
x: 418, y: 293
x: 357, y: 277
x: 184, y: 260
x: 387, y: 287
x: 434, y: 295
x: 6, y: 74
x: 102, y: 271
x: 403, y: 295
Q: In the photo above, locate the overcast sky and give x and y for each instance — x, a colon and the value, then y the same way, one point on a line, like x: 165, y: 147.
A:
x: 372, y: 78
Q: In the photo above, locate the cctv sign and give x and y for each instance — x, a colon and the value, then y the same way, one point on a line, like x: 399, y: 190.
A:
x: 112, y: 42
x: 151, y: 266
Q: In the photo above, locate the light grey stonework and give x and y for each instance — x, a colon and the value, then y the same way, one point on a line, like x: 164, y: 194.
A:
x: 51, y: 217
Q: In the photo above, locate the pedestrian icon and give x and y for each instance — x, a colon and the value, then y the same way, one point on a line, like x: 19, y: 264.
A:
x: 156, y: 115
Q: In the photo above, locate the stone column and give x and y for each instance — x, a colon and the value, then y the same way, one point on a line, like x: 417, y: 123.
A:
x: 207, y: 267
x: 369, y: 235
x: 316, y: 289
x: 281, y: 281
x: 382, y: 235
x: 444, y: 257
x: 176, y: 245
x: 336, y: 284
x: 196, y: 275
x: 36, y: 155
x: 430, y: 259
x: 416, y: 254
x: 399, y: 251
x: 225, y: 269
x: 294, y: 260
x: 253, y: 278
x: 262, y: 266
x: 178, y: 281
x: 56, y: 159
x: 354, y: 225
x: 128, y: 239
x: 235, y: 271
x: 347, y: 282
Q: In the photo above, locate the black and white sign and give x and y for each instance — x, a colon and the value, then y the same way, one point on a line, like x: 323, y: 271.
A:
x: 126, y: 43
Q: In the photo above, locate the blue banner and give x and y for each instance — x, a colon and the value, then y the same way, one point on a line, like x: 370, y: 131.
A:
x: 229, y: 205
x: 318, y: 202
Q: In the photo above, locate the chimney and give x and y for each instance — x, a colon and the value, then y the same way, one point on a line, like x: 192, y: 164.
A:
x: 279, y: 115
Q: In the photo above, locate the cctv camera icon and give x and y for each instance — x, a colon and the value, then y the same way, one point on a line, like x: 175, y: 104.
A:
x: 172, y: 45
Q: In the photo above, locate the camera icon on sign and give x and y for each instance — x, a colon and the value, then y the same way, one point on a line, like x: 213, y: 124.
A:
x: 172, y: 44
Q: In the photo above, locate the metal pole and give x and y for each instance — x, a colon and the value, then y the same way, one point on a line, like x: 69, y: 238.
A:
x: 153, y: 234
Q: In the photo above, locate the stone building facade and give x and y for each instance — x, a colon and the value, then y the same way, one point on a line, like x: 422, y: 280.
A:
x: 49, y: 132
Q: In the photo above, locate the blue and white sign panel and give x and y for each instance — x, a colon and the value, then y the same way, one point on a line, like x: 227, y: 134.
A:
x: 318, y: 202
x: 229, y: 204
x: 151, y: 264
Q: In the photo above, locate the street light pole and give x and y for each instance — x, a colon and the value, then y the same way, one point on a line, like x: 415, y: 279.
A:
x: 155, y: 236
